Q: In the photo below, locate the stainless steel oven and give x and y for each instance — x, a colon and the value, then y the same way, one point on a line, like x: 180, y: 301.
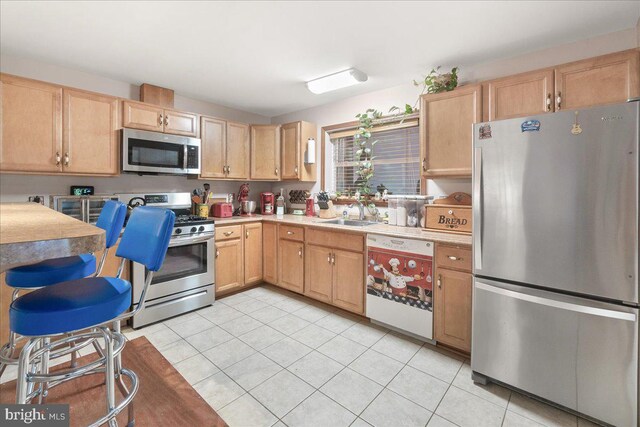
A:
x: 155, y: 152
x: 186, y: 280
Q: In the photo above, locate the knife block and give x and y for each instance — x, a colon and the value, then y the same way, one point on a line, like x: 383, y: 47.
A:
x: 327, y: 213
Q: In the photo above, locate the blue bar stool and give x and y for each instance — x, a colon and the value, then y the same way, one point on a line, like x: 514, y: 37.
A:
x: 52, y: 271
x: 82, y: 310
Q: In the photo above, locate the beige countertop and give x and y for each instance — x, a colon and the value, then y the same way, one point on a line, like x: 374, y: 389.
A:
x: 384, y: 229
x: 30, y: 232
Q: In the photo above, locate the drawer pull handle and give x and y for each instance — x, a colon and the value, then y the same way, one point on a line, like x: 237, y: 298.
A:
x: 290, y: 233
x: 450, y: 212
x: 454, y: 258
x: 160, y: 120
x: 228, y: 233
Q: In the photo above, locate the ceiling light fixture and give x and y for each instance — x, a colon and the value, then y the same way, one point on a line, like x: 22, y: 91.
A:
x: 337, y: 80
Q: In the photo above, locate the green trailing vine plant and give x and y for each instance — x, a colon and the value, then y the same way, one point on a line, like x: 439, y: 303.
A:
x: 364, y: 149
x: 434, y: 82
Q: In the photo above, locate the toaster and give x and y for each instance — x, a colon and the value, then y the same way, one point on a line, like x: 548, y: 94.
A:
x: 222, y: 210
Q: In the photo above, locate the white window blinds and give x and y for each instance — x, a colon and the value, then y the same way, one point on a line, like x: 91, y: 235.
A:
x: 397, y: 160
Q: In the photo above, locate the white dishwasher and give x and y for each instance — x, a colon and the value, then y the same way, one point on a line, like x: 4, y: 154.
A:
x: 400, y: 284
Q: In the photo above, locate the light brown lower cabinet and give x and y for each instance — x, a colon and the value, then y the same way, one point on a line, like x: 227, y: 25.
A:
x: 334, y: 275
x: 318, y: 273
x: 270, y: 253
x: 452, y: 308
x: 252, y: 253
x: 348, y: 281
x: 291, y: 265
x: 238, y: 256
x: 229, y: 271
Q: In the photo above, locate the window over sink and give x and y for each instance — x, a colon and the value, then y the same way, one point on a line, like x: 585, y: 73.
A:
x: 396, y: 159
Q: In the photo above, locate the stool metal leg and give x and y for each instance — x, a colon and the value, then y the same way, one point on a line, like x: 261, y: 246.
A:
x: 22, y: 387
x: 12, y: 338
x: 110, y: 374
x: 121, y: 385
x: 44, y: 370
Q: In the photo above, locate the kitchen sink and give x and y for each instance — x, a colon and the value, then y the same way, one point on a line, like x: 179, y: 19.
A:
x: 351, y: 222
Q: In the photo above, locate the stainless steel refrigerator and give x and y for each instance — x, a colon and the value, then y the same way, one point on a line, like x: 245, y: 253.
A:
x: 555, y: 228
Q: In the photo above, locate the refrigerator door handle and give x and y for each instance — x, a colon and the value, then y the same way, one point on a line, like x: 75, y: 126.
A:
x: 477, y: 209
x: 594, y: 311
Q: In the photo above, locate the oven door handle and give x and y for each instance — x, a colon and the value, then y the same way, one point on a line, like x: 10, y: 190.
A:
x: 182, y: 241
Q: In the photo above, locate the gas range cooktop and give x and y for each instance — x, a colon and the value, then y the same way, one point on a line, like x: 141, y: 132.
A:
x: 182, y: 220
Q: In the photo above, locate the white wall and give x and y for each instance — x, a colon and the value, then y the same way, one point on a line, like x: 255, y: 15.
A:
x: 345, y: 110
x: 16, y: 188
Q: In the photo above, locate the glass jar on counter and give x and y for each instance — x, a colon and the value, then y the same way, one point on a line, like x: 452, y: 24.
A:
x: 393, y: 210
x: 422, y: 200
x: 412, y: 211
x: 401, y: 212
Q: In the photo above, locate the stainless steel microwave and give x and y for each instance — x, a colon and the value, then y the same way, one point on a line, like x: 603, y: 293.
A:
x: 155, y: 152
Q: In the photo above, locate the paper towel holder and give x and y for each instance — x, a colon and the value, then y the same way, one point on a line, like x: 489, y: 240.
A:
x: 310, y: 152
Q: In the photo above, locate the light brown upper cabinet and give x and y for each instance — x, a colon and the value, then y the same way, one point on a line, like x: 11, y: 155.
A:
x: 607, y: 79
x: 295, y: 137
x: 446, y: 131
x: 225, y: 149
x: 214, y: 147
x: 180, y: 123
x: 238, y: 147
x: 139, y: 115
x: 31, y: 135
x: 521, y: 95
x: 90, y: 133
x: 265, y: 152
x: 50, y: 129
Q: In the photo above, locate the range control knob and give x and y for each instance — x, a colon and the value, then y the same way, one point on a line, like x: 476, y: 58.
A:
x: 201, y: 228
x: 178, y: 230
x: 194, y: 229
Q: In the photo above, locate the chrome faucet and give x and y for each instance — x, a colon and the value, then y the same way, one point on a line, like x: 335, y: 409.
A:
x: 360, y: 208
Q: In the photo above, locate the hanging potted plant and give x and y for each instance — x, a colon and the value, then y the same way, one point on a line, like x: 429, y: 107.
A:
x: 364, y: 150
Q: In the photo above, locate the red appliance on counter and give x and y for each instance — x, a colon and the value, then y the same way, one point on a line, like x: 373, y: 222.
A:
x: 222, y: 210
x: 267, y: 203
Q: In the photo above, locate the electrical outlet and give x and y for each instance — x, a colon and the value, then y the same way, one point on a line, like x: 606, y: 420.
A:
x: 37, y: 199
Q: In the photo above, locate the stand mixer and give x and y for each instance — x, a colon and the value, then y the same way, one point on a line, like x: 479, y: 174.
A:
x: 247, y: 207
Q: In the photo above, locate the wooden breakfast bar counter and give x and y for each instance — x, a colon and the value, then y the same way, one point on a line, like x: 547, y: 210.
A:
x: 29, y: 233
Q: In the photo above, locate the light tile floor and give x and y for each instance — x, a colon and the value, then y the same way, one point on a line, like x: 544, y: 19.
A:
x: 267, y: 357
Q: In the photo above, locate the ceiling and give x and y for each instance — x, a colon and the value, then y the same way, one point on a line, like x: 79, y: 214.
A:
x: 256, y: 56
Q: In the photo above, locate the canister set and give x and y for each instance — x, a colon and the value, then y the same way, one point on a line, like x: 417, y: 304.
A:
x: 407, y: 211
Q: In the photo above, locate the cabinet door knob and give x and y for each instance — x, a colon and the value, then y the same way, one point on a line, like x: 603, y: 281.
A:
x: 217, y: 253
x: 276, y: 171
x: 166, y: 120
x: 295, y: 169
x: 228, y: 169
x: 333, y: 259
x: 58, y: 158
x: 549, y: 102
x: 440, y: 281
x: 300, y: 252
x: 160, y: 119
x: 454, y: 258
x: 66, y: 159
x: 424, y: 164
x: 247, y: 234
x: 329, y: 258
x: 559, y: 101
